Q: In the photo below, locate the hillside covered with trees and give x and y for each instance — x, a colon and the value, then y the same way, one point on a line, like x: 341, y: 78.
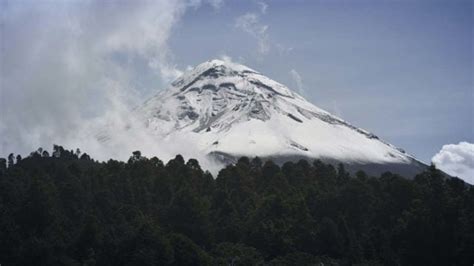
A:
x: 65, y: 208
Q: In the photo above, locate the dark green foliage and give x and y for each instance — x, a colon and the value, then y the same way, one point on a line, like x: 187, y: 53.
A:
x: 236, y: 254
x: 11, y: 160
x: 3, y: 164
x: 67, y: 209
x: 303, y: 259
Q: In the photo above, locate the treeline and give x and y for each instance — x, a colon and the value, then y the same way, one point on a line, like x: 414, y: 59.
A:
x: 67, y: 209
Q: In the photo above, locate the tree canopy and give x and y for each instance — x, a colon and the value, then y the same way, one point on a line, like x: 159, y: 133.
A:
x: 68, y: 209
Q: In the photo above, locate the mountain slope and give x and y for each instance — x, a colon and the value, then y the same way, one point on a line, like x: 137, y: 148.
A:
x: 229, y: 110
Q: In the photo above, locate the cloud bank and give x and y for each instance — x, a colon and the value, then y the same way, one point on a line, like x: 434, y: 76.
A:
x: 457, y: 160
x: 69, y: 68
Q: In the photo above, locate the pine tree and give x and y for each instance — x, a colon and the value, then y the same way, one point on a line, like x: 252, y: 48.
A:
x: 11, y: 160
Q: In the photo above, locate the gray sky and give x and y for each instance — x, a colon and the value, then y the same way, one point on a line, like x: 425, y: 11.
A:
x: 402, y: 69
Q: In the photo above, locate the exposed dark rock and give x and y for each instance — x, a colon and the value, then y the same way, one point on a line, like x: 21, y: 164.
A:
x: 299, y: 146
x: 228, y: 85
x: 209, y: 87
x: 295, y: 118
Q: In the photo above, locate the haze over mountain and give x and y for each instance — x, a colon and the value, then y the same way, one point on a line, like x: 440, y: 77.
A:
x: 227, y: 110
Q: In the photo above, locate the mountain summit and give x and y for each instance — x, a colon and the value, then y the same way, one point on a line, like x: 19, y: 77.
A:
x: 229, y: 110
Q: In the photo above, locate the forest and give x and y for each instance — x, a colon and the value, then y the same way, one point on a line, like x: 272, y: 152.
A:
x: 65, y: 208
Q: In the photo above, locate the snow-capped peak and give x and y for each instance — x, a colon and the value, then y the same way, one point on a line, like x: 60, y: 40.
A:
x: 231, y: 110
x: 214, y: 72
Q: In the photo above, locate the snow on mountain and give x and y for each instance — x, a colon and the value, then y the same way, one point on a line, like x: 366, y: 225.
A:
x: 228, y: 110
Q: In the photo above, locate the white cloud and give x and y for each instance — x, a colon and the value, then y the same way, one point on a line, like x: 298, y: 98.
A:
x: 226, y: 58
x: 68, y: 68
x: 250, y: 23
x: 298, y: 82
x: 167, y: 71
x: 457, y: 160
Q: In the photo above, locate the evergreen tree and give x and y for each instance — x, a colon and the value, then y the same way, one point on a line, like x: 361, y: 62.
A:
x: 65, y: 210
x: 18, y: 158
x: 11, y: 160
x: 3, y: 164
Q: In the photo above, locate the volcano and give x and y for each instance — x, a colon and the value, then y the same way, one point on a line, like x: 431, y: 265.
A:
x: 228, y: 110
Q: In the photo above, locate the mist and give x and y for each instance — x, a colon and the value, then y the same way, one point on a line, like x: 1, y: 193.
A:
x: 73, y: 69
